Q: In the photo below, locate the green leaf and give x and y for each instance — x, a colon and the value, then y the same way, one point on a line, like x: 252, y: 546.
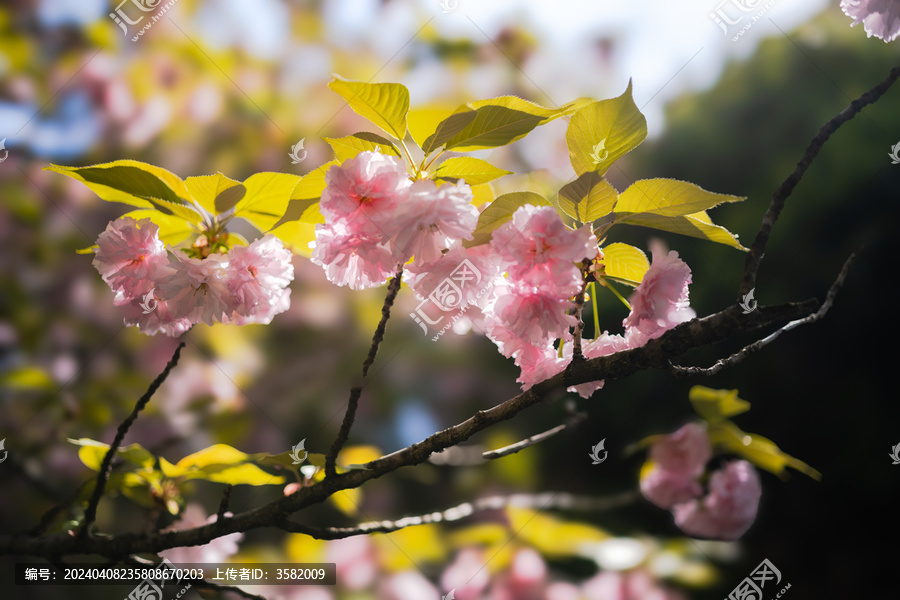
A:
x: 502, y: 121
x: 697, y: 225
x: 128, y: 181
x: 92, y: 453
x: 668, y: 198
x: 172, y: 230
x: 215, y: 193
x: 384, y: 104
x: 499, y: 212
x: 448, y: 127
x: 473, y: 170
x: 602, y: 132
x: 313, y: 183
x: 625, y: 263
x: 222, y: 464
x: 762, y: 452
x: 588, y: 198
x: 716, y: 405
x: 266, y: 199
x: 349, y: 146
x: 26, y: 378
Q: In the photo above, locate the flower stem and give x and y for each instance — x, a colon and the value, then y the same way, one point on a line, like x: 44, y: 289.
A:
x: 610, y: 287
x: 594, y: 305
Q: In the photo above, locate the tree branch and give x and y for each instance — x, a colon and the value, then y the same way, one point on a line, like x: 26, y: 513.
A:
x: 91, y: 513
x: 513, y: 448
x: 355, y: 392
x: 746, y: 351
x: 757, y: 250
x: 543, y: 501
x: 655, y: 354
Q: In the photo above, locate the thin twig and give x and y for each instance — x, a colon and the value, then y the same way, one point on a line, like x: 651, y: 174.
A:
x: 757, y: 250
x: 513, y: 448
x: 356, y: 391
x: 579, y: 324
x: 746, y: 351
x: 543, y: 501
x: 223, y: 504
x: 91, y: 513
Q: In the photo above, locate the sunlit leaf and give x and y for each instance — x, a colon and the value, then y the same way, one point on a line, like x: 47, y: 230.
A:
x: 473, y: 170
x: 550, y: 536
x: 689, y: 225
x: 588, y: 198
x: 266, y: 198
x: 602, y: 132
x: 500, y: 211
x: 716, y: 405
x: 92, y: 452
x: 384, y: 104
x: 625, y: 263
x: 215, y: 193
x: 172, y: 230
x: 502, y: 121
x: 410, y: 547
x: 220, y: 463
x: 26, y: 378
x: 448, y: 128
x: 349, y: 146
x: 762, y: 452
x: 668, y: 198
x: 128, y: 181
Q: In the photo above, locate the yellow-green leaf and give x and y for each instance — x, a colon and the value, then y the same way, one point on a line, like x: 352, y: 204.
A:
x: 410, y: 547
x: 423, y: 120
x: 447, y: 128
x: 128, y: 181
x: 266, y: 199
x: 296, y: 236
x: 602, y: 132
x: 220, y: 463
x: 215, y: 193
x: 502, y: 121
x: 625, y: 263
x: 26, y: 378
x: 92, y: 452
x: 696, y: 225
x: 716, y: 405
x: 760, y: 451
x: 384, y: 104
x: 313, y: 183
x: 349, y: 146
x: 550, y: 536
x: 499, y: 212
x: 588, y: 198
x: 667, y: 198
x: 473, y: 170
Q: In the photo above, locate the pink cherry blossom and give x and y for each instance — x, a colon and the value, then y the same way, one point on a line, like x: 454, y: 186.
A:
x: 469, y: 274
x: 880, y: 18
x: 129, y: 254
x: 729, y: 509
x: 466, y: 575
x: 533, y: 318
x: 660, y: 302
x: 359, y: 260
x: 355, y: 561
x: 665, y: 488
x: 259, y: 276
x: 364, y: 191
x: 215, y: 551
x: 432, y: 218
x: 197, y: 289
x: 151, y: 315
x: 628, y: 585
x: 604, y: 345
x: 686, y: 451
x: 406, y: 585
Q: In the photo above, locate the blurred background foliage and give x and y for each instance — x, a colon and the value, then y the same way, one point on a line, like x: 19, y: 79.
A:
x: 210, y: 89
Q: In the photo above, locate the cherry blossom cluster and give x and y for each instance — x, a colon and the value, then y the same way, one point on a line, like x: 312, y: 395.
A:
x: 658, y: 304
x: 162, y: 289
x: 377, y: 218
x: 678, y: 461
